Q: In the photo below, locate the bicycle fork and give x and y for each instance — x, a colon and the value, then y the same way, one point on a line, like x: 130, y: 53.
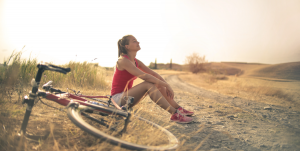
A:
x: 30, y: 102
x: 125, y: 124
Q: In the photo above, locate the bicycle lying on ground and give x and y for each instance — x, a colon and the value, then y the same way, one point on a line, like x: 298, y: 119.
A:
x: 101, y: 118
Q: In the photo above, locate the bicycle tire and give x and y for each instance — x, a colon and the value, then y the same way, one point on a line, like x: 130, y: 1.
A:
x: 75, y: 115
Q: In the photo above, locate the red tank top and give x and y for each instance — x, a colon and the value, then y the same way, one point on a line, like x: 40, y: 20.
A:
x: 121, y: 79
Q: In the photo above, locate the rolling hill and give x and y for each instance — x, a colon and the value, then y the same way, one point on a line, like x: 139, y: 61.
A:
x: 289, y: 71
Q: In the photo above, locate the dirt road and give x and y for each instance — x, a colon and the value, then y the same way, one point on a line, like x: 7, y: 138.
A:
x: 232, y: 123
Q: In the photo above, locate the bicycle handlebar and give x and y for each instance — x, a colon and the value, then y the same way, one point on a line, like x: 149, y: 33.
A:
x: 30, y: 101
x: 47, y: 66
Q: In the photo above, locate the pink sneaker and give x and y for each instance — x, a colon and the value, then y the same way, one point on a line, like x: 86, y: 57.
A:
x: 179, y: 118
x: 185, y: 112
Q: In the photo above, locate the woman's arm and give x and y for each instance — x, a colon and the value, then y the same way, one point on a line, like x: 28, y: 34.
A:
x: 144, y: 68
x: 149, y: 71
x: 126, y: 64
x: 147, y: 75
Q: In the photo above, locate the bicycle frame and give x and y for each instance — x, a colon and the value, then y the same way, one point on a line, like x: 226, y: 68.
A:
x: 64, y: 98
x: 78, y: 105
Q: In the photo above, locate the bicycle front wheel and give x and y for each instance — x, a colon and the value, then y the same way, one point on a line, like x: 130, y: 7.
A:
x: 141, y: 134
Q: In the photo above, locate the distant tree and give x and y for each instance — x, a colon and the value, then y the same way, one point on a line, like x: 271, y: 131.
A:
x: 171, y: 64
x: 155, y: 64
x: 195, y: 62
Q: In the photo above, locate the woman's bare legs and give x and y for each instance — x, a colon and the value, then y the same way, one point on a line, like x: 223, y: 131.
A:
x: 171, y: 101
x: 144, y: 88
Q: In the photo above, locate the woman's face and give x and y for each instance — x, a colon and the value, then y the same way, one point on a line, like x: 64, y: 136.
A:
x: 133, y: 44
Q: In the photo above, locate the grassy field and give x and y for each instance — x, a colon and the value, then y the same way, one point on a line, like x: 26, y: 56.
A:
x: 257, y: 82
x: 15, y: 78
x: 16, y: 75
x: 90, y: 79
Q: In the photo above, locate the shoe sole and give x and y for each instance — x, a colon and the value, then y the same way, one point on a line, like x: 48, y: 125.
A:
x: 188, y: 114
x: 181, y: 122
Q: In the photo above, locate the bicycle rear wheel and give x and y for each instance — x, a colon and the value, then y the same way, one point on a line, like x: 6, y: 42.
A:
x: 141, y: 134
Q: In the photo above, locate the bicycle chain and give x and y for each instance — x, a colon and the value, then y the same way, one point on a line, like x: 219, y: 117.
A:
x: 60, y: 109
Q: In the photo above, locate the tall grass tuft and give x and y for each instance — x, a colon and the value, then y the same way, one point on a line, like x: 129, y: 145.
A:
x: 82, y: 75
x: 16, y: 74
x: 86, y: 75
x: 15, y: 77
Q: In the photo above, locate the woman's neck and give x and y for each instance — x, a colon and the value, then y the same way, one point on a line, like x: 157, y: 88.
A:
x: 131, y: 55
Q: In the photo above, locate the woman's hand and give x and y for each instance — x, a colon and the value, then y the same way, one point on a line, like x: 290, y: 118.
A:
x: 170, y: 92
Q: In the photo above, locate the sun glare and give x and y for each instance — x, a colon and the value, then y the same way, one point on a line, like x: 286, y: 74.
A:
x: 81, y: 30
x: 60, y: 31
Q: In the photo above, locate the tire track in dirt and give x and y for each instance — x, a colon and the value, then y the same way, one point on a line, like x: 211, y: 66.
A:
x: 235, y: 123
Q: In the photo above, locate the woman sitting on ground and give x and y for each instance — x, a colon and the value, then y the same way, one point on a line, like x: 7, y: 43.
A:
x: 128, y: 68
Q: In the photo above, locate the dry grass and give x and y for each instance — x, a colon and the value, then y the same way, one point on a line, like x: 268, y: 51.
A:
x: 288, y: 71
x: 236, y: 79
x: 15, y: 77
x: 64, y: 135
x: 267, y: 91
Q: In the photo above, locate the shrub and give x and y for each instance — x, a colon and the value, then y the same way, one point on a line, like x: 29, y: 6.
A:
x: 195, y: 63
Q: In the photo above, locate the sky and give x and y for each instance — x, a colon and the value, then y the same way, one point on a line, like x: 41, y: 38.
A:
x: 59, y: 31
